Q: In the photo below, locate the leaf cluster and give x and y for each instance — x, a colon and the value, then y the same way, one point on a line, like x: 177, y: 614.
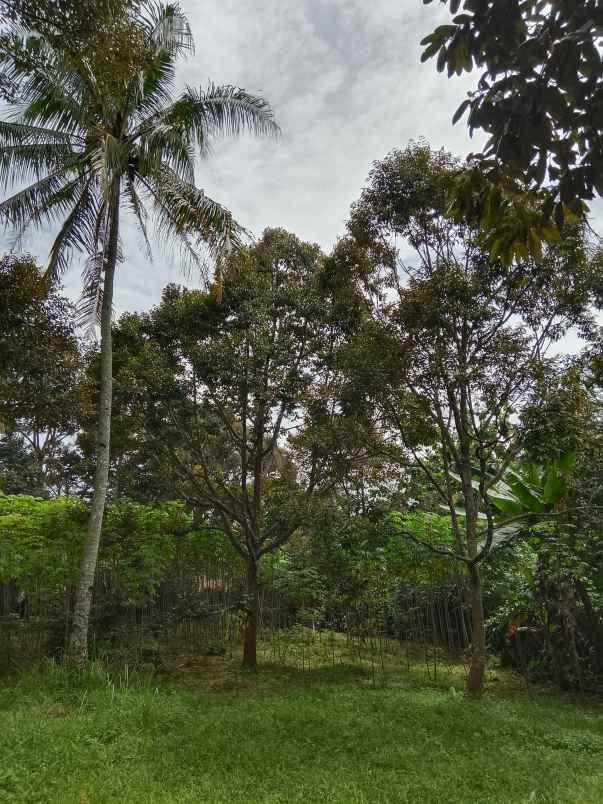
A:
x: 539, y: 99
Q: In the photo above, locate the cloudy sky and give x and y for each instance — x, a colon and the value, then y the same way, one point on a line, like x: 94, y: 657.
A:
x: 345, y: 80
x: 346, y: 83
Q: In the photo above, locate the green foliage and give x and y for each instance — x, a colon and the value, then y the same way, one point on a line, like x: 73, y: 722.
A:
x: 527, y: 496
x: 20, y: 473
x: 415, y: 566
x: 456, y: 339
x: 533, y: 489
x: 514, y: 222
x: 342, y: 554
x: 551, y: 579
x: 302, y: 586
x: 209, y: 380
x: 41, y: 364
x: 141, y: 543
x: 41, y: 541
x: 339, y: 563
x: 562, y: 416
x: 407, y: 196
x: 539, y: 94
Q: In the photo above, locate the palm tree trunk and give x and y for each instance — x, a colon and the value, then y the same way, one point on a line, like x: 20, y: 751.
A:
x: 77, y: 651
x: 477, y: 670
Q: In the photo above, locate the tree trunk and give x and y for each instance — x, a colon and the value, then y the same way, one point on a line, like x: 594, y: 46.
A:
x: 477, y: 671
x: 250, y: 645
x: 77, y: 651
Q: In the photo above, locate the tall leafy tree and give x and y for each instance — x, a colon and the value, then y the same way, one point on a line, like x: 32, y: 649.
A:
x: 222, y: 384
x: 457, y: 340
x: 41, y: 364
x: 98, y: 131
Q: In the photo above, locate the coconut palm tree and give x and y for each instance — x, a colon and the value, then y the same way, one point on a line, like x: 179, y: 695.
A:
x: 98, y: 132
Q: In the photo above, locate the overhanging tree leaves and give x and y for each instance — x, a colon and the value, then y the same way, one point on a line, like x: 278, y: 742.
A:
x: 539, y: 99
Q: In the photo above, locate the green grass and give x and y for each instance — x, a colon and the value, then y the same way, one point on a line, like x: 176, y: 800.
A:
x: 336, y: 734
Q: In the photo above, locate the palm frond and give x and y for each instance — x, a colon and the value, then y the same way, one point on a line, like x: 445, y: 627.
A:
x: 90, y: 303
x: 190, y: 256
x: 186, y: 210
x: 21, y: 164
x: 14, y: 133
x: 222, y: 111
x: 140, y: 213
x: 150, y: 90
x: 43, y: 202
x: 78, y: 232
x: 167, y: 28
x: 21, y: 50
x: 169, y: 125
x: 168, y: 32
x: 165, y: 145
x: 56, y: 97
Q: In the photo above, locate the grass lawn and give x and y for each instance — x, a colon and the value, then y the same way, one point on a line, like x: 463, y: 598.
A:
x: 332, y: 734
